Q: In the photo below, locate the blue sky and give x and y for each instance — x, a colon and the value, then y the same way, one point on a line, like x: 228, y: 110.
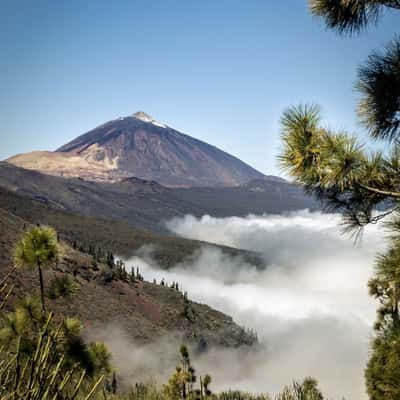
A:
x: 222, y: 71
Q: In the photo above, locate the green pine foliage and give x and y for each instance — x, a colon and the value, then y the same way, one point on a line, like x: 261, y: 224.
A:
x: 38, y: 356
x: 383, y: 369
x: 38, y: 248
x: 350, y: 16
x: 357, y: 182
x: 62, y: 286
x: 40, y: 374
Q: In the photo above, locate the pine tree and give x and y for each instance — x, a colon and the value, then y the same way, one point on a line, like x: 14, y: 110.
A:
x: 351, y: 16
x: 206, y: 383
x: 38, y: 248
x: 335, y: 167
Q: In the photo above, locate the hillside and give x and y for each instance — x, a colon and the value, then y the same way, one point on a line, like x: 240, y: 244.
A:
x: 269, y: 195
x: 139, y: 146
x: 135, y: 203
x: 146, y: 204
x: 117, y: 237
x: 145, y: 311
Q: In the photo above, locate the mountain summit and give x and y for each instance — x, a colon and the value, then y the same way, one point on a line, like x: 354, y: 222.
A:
x: 143, y: 116
x: 140, y: 146
x: 148, y: 118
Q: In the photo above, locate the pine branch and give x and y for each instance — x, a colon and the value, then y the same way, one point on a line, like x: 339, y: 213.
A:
x: 381, y: 191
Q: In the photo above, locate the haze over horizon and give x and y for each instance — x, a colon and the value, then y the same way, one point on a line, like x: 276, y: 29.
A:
x: 221, y: 72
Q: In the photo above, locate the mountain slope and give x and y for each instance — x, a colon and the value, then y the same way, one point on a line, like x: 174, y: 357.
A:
x: 118, y: 237
x: 145, y: 311
x: 146, y: 204
x: 142, y: 147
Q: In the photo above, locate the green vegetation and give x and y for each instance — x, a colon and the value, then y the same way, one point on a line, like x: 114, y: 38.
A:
x: 37, y: 249
x: 357, y: 183
x: 351, y: 16
x: 42, y: 358
x: 62, y: 286
x: 41, y: 374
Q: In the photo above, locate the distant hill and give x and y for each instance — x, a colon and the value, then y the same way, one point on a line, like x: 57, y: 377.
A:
x: 118, y: 237
x: 147, y: 204
x: 139, y: 146
x: 269, y: 195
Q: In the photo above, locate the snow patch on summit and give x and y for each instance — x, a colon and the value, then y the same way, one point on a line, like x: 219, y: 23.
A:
x: 148, y: 118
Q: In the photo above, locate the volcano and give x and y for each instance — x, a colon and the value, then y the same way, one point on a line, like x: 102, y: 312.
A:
x: 139, y: 146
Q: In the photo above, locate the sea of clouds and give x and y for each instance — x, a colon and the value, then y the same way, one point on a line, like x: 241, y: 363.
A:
x: 309, y: 305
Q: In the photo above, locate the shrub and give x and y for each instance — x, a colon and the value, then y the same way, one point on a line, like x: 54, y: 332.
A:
x: 62, y: 286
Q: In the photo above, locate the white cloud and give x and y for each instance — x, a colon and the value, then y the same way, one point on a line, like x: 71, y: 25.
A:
x: 309, y: 305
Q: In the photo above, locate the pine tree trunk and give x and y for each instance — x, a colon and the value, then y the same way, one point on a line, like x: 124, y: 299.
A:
x: 41, y: 288
x: 395, y: 309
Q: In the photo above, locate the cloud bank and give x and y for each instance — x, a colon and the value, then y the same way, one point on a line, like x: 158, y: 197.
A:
x: 309, y: 305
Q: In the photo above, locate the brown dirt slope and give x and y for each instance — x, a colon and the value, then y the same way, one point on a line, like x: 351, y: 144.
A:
x: 146, y: 311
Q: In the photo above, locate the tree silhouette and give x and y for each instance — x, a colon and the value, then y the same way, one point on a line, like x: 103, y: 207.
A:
x: 350, y: 16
